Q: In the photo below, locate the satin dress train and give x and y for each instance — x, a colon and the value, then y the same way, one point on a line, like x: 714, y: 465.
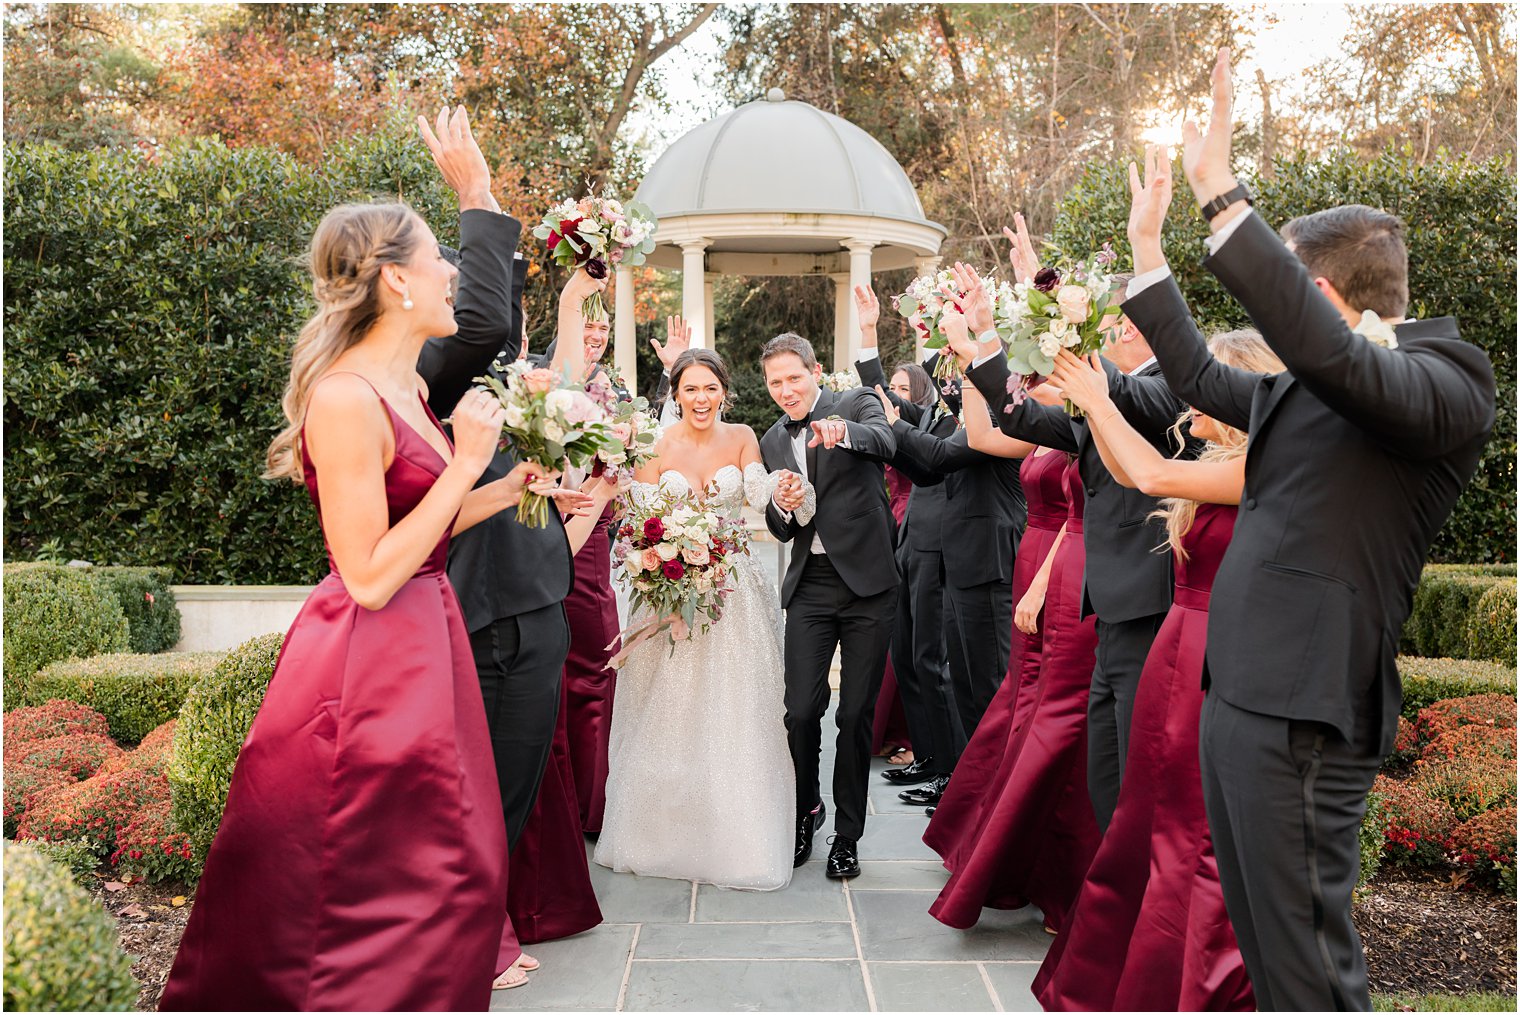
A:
x: 1037, y: 833
x: 889, y: 726
x: 1149, y: 930
x: 360, y: 864
x: 590, y: 684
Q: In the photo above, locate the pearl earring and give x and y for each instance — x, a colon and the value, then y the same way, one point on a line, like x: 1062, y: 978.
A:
x: 406, y: 300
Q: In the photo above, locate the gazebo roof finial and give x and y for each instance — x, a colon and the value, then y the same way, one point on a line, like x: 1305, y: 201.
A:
x: 775, y: 95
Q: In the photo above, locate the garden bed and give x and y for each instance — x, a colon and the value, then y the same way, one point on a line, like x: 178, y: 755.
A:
x: 1425, y: 935
x: 150, y: 925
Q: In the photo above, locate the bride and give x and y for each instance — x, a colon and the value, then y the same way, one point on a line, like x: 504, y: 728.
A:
x: 701, y: 783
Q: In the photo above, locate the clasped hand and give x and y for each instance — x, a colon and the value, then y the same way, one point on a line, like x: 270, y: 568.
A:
x: 788, y: 495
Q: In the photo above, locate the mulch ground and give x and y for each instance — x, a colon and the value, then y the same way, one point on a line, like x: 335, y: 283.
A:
x: 1422, y: 935
x: 1429, y: 936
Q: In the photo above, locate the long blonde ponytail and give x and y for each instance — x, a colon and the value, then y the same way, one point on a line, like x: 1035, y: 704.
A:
x: 1246, y: 350
x: 351, y: 244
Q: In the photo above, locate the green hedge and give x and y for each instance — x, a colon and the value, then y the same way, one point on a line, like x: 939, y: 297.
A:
x: 150, y: 307
x: 148, y: 602
x: 54, y: 613
x: 1461, y: 234
x: 1463, y: 611
x: 212, y: 727
x: 1427, y: 681
x: 136, y: 693
x: 61, y: 948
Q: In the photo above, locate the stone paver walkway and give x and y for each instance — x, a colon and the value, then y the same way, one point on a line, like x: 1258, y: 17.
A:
x: 817, y: 945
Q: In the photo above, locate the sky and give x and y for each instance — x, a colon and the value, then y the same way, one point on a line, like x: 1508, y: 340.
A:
x: 1289, y: 40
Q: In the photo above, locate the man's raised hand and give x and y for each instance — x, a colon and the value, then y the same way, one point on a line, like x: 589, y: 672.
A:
x: 1021, y: 253
x: 867, y: 309
x: 1149, y: 200
x: 1206, y: 155
x: 677, y: 341
x: 459, y: 159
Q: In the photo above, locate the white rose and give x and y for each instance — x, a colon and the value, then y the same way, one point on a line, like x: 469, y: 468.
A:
x: 1049, y: 345
x: 559, y: 401
x: 515, y: 418
x: 1059, y: 328
x: 553, y: 431
x: 1073, y: 301
x: 681, y: 515
x: 622, y: 234
x: 666, y: 551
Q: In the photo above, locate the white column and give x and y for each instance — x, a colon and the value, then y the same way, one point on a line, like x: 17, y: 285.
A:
x: 711, y: 318
x: 693, y: 289
x: 922, y: 266
x: 843, y: 308
x: 860, y: 275
x: 624, y: 330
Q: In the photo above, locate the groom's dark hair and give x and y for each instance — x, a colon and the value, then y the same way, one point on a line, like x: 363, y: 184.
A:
x: 1360, y: 250
x: 790, y: 342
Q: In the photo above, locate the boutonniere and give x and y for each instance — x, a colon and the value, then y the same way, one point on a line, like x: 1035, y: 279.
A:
x: 1377, y: 331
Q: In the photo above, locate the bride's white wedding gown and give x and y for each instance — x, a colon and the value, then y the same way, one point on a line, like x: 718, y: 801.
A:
x: 700, y: 784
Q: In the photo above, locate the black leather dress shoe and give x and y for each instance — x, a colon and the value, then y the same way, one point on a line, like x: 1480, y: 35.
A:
x: 843, y: 861
x: 806, y: 825
x: 930, y: 811
x: 928, y: 793
x: 910, y: 775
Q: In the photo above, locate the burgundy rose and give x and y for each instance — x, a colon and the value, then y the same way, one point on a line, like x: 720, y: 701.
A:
x: 596, y: 268
x: 674, y: 569
x: 568, y: 226
x: 718, y: 549
x: 1046, y: 279
x: 654, y: 530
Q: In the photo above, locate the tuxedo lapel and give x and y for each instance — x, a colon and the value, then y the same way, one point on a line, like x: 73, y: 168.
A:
x: 781, y: 445
x: 1268, y: 403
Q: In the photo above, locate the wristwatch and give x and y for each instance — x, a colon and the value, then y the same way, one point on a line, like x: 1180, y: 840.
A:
x: 1223, y: 201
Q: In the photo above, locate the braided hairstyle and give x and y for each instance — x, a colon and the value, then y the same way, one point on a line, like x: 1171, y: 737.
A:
x: 352, y: 243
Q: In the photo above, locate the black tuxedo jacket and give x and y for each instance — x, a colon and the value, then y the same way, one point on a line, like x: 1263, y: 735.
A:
x: 498, y: 568
x: 1126, y: 578
x: 1356, y: 456
x: 853, y: 516
x: 922, y: 525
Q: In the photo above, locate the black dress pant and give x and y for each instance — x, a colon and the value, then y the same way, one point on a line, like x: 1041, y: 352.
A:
x: 1122, y: 648
x: 978, y: 633
x: 822, y: 614
x: 919, y: 663
x: 521, y: 662
x: 1285, y: 800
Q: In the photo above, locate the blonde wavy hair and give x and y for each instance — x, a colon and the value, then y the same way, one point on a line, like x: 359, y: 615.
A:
x: 1245, y: 350
x: 352, y: 243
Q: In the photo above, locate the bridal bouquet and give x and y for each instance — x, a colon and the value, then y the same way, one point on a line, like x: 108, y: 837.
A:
x: 596, y: 233
x: 549, y: 422
x: 842, y: 380
x: 925, y: 302
x: 636, y: 430
x: 677, y: 558
x: 1071, y: 307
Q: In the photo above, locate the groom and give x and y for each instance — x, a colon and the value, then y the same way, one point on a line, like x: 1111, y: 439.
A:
x: 841, y: 585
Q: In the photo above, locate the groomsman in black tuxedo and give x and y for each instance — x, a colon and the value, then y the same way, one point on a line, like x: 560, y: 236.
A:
x: 1126, y: 582
x: 840, y: 587
x: 969, y: 507
x: 1357, y: 455
x: 511, y: 579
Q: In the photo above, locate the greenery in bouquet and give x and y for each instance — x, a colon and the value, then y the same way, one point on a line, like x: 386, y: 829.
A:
x: 632, y: 424
x: 677, y: 556
x: 550, y: 421
x: 597, y: 234
x: 924, y: 304
x: 1070, y: 307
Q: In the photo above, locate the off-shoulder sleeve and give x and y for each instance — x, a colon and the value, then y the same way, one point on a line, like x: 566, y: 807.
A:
x: 641, y: 496
x: 760, y: 487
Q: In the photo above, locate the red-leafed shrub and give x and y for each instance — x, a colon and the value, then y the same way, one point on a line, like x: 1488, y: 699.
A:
x: 79, y: 755
x: 96, y: 809
x: 149, y: 846
x: 152, y: 755
x: 1493, y: 710
x: 1472, y: 742
x: 1419, y: 827
x: 1406, y: 743
x: 56, y: 718
x: 24, y: 784
x: 1469, y: 785
x: 1486, y: 844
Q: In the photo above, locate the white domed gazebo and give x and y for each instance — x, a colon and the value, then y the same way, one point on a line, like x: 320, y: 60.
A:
x: 777, y: 187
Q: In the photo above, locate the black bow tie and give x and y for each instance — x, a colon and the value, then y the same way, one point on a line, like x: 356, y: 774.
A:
x: 796, y: 426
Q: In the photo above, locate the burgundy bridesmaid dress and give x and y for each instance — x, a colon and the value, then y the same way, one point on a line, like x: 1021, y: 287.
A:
x: 974, y: 783
x: 550, y: 894
x: 1149, y: 930
x: 591, y: 610
x: 361, y: 860
x: 889, y: 726
x: 1037, y: 833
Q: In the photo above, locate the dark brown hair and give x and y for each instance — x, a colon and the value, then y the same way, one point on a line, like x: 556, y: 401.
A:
x: 921, y: 390
x: 1360, y: 250
x: 789, y: 342
x: 701, y: 358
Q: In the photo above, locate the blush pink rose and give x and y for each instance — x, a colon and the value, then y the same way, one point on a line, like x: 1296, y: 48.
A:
x: 650, y: 560
x: 539, y: 381
x: 696, y: 555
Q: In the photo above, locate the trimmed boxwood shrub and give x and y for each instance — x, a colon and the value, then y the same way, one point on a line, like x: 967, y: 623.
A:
x: 150, y: 308
x: 1427, y: 681
x: 1450, y: 617
x: 1490, y: 627
x: 213, y: 724
x: 148, y: 601
x: 1460, y: 219
x: 54, y: 613
x: 137, y: 693
x: 61, y: 948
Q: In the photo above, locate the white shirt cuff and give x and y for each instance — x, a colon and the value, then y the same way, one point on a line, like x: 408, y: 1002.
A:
x: 1145, y: 280
x: 866, y: 354
x: 1216, y: 240
x: 985, y: 337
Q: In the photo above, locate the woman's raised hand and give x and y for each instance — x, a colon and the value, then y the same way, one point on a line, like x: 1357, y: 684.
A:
x: 477, y: 423
x: 1083, y: 381
x: 1021, y: 255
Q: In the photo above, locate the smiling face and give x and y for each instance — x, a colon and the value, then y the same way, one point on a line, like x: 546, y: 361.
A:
x: 1203, y: 426
x: 901, y: 385
x: 596, y: 334
x: 793, y: 386
x: 428, y: 279
x: 700, y: 394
